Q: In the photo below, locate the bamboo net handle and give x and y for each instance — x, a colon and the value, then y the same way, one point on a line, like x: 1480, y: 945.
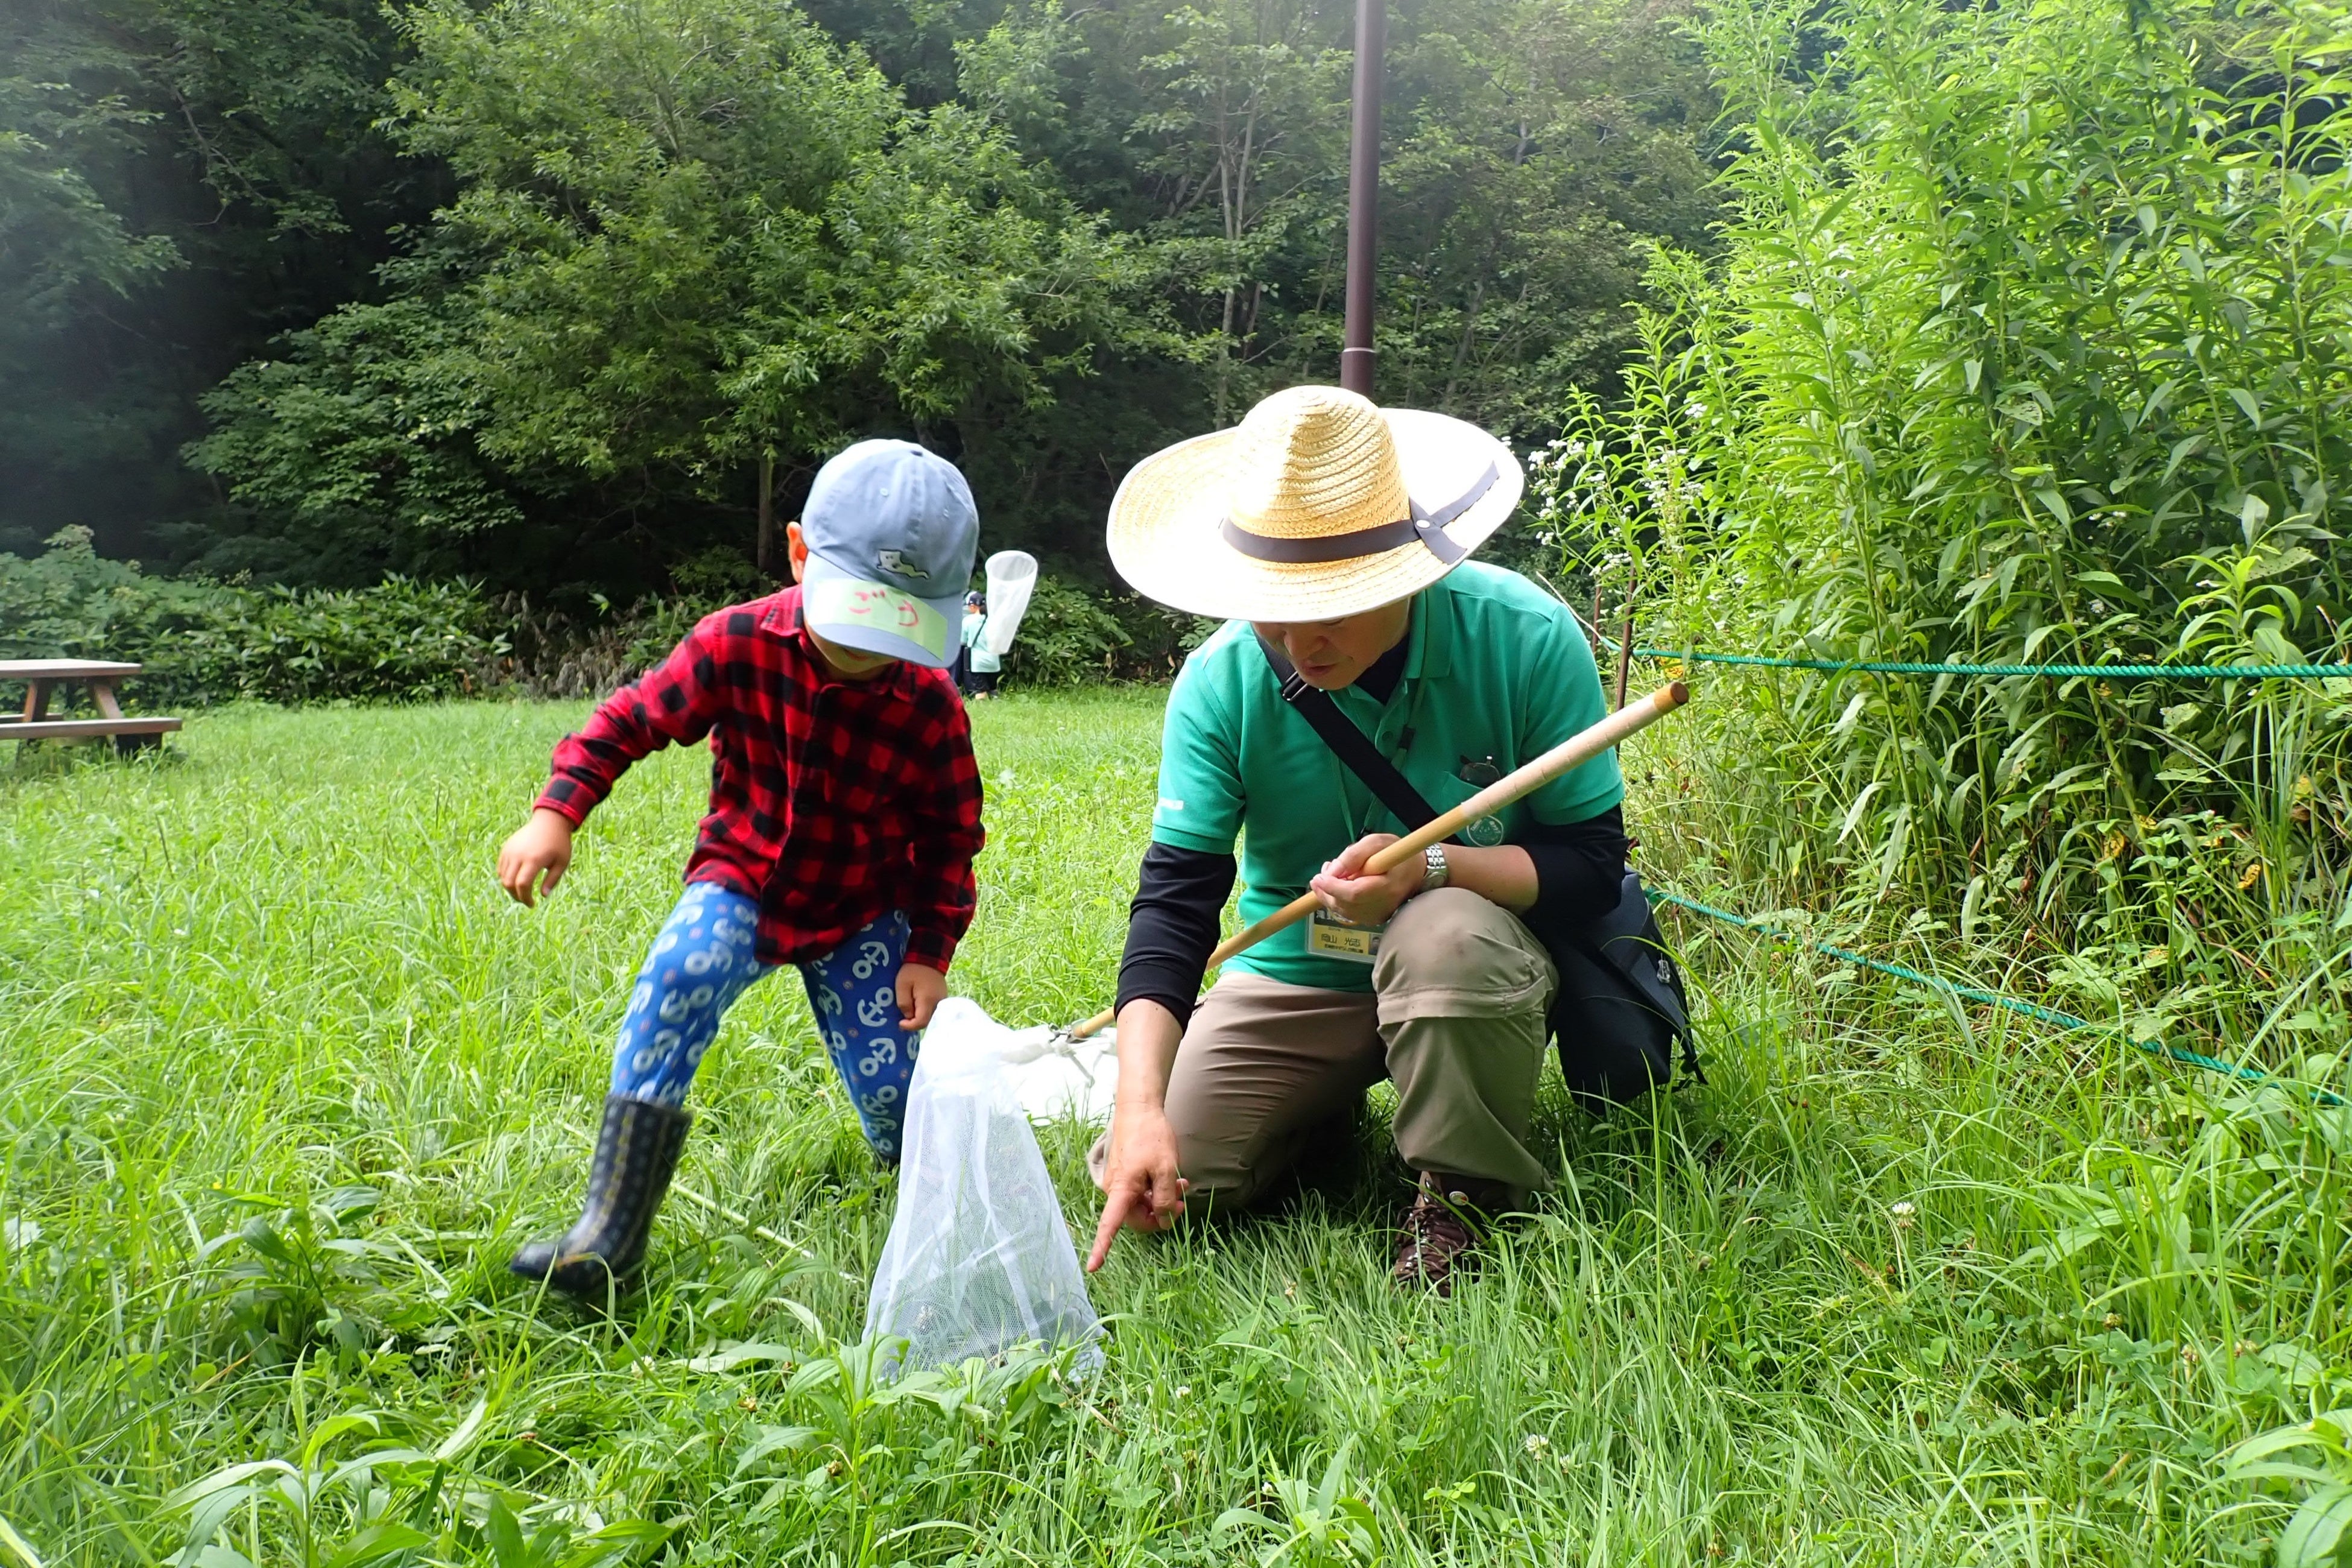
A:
x: 1574, y: 752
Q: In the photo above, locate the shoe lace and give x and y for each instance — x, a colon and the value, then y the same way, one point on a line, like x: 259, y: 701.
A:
x: 1433, y: 1232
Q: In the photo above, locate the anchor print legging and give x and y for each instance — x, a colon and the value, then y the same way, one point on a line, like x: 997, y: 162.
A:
x: 703, y: 960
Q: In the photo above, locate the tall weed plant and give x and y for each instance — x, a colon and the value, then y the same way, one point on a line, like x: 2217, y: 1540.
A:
x: 2030, y: 342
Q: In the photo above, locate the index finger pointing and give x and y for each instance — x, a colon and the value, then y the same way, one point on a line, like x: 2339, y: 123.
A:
x: 1114, y: 1215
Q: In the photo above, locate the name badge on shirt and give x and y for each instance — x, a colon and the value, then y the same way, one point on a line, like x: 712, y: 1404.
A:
x: 1328, y: 936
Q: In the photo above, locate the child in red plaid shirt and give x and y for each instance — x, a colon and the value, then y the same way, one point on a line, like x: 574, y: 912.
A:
x: 844, y: 816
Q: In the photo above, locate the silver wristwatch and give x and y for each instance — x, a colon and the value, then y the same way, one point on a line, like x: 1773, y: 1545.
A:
x: 1433, y: 870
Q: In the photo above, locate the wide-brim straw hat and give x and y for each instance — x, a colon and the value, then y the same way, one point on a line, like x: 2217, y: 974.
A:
x: 1317, y: 505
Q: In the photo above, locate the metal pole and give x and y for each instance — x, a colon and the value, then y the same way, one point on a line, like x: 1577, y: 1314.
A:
x: 1364, y: 197
x: 767, y: 542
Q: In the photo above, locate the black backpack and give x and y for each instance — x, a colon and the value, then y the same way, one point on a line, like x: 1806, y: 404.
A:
x: 1621, y: 1006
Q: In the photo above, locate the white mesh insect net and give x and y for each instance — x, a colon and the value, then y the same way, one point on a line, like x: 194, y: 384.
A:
x: 979, y: 1257
x: 1012, y: 578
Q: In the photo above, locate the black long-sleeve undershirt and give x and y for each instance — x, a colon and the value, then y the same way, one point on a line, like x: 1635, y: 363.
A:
x: 1171, y: 927
x: 1180, y: 893
x: 1580, y: 872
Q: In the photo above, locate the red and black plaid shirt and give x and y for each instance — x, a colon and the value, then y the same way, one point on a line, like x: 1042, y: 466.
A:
x: 832, y: 801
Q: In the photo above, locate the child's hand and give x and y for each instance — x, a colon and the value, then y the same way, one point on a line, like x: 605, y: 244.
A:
x: 542, y: 844
x: 921, y: 989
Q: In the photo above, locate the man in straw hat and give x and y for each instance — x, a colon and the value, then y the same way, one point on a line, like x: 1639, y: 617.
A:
x: 1333, y: 537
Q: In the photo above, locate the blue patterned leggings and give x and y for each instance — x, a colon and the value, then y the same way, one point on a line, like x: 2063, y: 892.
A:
x: 704, y: 959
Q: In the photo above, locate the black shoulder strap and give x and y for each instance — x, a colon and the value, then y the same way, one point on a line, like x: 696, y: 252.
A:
x: 1355, y: 752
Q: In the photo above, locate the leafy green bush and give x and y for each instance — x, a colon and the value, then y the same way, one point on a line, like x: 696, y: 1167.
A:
x: 408, y: 641
x: 1067, y: 638
x: 587, y: 650
x: 399, y: 641
x: 203, y: 642
x: 1074, y: 636
x: 70, y: 603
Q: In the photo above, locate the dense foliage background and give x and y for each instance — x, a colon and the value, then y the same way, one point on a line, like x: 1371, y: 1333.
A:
x: 548, y: 294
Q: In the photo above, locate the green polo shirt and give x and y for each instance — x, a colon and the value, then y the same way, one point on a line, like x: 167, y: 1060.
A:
x: 1498, y: 673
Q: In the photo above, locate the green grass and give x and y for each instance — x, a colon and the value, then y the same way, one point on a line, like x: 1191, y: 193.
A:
x: 286, y: 1079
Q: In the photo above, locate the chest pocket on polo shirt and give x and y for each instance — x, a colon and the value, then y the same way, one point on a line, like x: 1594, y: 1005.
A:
x: 1471, y: 775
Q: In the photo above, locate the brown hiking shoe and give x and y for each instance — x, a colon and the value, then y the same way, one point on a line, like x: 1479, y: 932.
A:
x: 1441, y: 1226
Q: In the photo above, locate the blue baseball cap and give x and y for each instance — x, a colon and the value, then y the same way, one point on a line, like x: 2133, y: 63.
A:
x: 891, y: 534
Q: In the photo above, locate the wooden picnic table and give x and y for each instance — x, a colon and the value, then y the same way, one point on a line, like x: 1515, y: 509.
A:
x: 42, y: 676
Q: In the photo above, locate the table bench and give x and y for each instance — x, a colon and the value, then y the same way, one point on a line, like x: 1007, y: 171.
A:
x: 44, y: 676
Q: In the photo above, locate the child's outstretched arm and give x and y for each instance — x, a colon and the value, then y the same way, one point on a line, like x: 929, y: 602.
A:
x: 673, y: 704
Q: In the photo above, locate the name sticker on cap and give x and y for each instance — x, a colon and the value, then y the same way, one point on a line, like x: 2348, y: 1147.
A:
x: 832, y: 602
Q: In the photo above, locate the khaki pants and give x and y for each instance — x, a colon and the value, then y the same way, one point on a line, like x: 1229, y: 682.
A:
x: 1457, y: 1017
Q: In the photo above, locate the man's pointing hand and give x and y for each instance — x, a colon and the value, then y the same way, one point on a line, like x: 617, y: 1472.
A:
x: 1141, y: 1188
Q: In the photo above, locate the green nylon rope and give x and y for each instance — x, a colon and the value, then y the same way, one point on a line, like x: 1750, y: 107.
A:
x: 1991, y: 998
x: 2004, y: 671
